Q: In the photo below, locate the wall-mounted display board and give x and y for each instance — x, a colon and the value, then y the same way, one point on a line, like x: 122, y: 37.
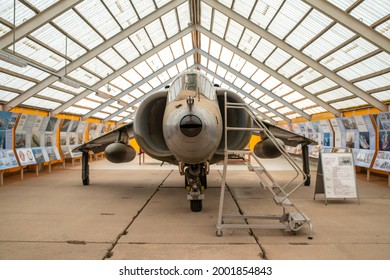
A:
x: 96, y: 130
x: 7, y: 155
x: 336, y: 176
x: 357, y: 133
x: 72, y: 134
x: 365, y: 144
x: 382, y: 160
x: 35, y: 139
x: 319, y: 131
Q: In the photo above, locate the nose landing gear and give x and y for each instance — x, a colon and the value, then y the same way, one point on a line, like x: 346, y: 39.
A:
x: 195, y: 182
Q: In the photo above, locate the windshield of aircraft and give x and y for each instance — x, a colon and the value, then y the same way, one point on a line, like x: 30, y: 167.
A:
x: 193, y: 82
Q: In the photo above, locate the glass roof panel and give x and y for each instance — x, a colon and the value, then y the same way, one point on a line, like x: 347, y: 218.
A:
x: 177, y: 49
x: 143, y: 69
x: 313, y: 24
x: 227, y: 3
x: 315, y: 110
x: 171, y: 26
x: 75, y: 26
x: 166, y: 55
x: 98, y: 67
x: 55, y: 94
x: 244, y: 7
x: 349, y: 103
x: 144, y: 7
x: 248, y: 41
x: 155, y: 62
x: 306, y: 76
x: 183, y: 12
x: 141, y: 41
x: 291, y: 67
x: 288, y: 16
x: 263, y: 50
x: 41, y: 103
x: 161, y: 3
x: 332, y: 38
x: 83, y: 76
x: 282, y: 90
x: 7, y: 96
x: 127, y: 50
x: 22, y: 13
x: 58, y: 41
x: 248, y: 69
x: 292, y: 97
x: 335, y: 94
x: 123, y: 12
x: 234, y: 32
x: 100, y: 115
x: 32, y: 50
x: 205, y: 19
x: 320, y: 85
x: 265, y: 11
x: 112, y: 58
x: 15, y: 82
x: 342, y: 4
x: 304, y: 104
x: 370, y: 11
x: 121, y: 83
x: 277, y: 58
x: 219, y: 24
x: 375, y: 82
x: 69, y: 88
x: 104, y: 23
x: 383, y: 29
x: 237, y: 62
x: 270, y: 83
x: 42, y: 5
x: 156, y: 32
x: 382, y: 96
x: 373, y: 64
x: 351, y: 52
x: 259, y: 76
x: 4, y: 29
x: 76, y: 110
x: 28, y: 71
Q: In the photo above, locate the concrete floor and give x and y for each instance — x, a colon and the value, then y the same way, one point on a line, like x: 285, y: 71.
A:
x: 140, y: 212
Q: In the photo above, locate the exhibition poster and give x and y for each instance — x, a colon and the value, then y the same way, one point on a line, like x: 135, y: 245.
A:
x: 327, y: 133
x: 7, y: 155
x: 50, y: 138
x: 366, y: 138
x: 382, y: 160
x: 339, y: 175
x: 72, y: 135
x: 25, y: 139
x: 338, y: 135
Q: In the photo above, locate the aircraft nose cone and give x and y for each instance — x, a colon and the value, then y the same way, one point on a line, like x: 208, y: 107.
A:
x: 190, y: 125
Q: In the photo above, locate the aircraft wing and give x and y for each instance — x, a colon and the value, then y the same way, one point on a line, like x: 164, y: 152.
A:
x: 289, y: 138
x: 100, y: 143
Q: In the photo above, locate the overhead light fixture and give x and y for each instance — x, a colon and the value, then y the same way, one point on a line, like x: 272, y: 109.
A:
x: 122, y: 103
x: 14, y: 60
x: 69, y: 82
x: 102, y: 94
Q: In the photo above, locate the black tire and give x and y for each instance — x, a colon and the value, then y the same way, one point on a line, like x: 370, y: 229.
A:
x: 196, y: 205
x: 86, y: 181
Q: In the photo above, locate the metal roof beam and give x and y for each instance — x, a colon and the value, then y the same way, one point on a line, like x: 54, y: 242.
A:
x: 259, y: 87
x: 271, y: 72
x: 137, y: 85
x: 297, y: 54
x: 352, y: 23
x: 248, y: 96
x: 94, y: 52
x: 123, y: 70
x: 37, y: 21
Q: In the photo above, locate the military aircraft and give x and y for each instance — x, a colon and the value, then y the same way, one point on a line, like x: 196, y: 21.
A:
x: 184, y: 125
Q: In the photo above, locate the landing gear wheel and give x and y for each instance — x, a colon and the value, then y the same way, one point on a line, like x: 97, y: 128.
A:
x: 196, y: 205
x: 219, y: 233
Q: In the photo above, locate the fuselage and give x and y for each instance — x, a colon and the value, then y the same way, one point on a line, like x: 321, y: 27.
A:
x: 192, y: 122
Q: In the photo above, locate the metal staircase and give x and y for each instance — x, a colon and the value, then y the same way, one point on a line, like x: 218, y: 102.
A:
x: 291, y: 219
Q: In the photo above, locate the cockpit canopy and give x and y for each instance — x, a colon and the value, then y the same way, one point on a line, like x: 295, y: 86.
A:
x: 191, y: 81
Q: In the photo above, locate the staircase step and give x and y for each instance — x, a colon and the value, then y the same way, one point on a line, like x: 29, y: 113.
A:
x: 299, y: 217
x: 282, y: 200
x: 255, y: 169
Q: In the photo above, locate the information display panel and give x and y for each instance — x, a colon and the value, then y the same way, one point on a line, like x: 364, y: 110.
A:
x: 382, y: 160
x: 7, y: 155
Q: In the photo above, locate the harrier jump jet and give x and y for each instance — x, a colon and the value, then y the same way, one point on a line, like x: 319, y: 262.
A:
x: 183, y: 125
